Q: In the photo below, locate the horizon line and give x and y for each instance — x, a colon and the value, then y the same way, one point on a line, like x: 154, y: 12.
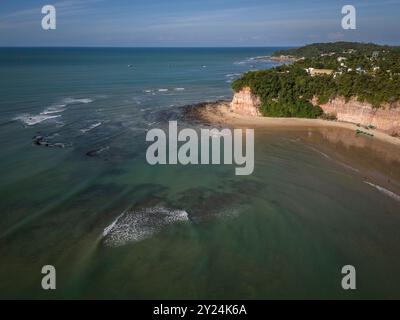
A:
x: 191, y: 47
x: 157, y: 47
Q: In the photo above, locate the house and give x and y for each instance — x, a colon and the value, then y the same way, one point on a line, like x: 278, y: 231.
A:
x: 308, y: 70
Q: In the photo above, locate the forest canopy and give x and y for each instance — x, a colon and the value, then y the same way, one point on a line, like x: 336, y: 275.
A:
x: 368, y: 72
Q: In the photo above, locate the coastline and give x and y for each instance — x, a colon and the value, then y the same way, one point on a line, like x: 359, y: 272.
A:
x: 219, y: 113
x: 376, y: 158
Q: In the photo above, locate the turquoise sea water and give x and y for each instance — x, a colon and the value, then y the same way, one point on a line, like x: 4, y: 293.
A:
x: 318, y: 199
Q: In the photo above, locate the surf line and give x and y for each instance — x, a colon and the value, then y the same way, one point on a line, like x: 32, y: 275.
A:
x: 194, y: 150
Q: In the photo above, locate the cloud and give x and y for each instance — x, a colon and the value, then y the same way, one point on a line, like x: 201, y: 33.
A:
x: 191, y: 22
x: 66, y: 7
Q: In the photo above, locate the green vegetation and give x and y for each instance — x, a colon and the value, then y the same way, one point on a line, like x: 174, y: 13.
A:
x: 316, y: 49
x: 369, y: 72
x: 282, y: 90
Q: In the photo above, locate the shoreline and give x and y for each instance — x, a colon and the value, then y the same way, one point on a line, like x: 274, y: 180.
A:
x: 376, y: 159
x: 219, y: 113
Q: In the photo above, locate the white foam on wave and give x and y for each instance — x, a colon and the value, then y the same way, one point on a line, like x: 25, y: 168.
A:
x: 179, y: 89
x: 91, y: 127
x: 76, y: 101
x: 31, y: 120
x: 57, y: 108
x: 328, y: 157
x: 137, y: 225
x: 254, y: 60
x: 111, y: 226
x: 232, y: 75
x: 162, y: 90
x: 103, y: 149
x: 384, y: 191
x: 348, y: 166
x: 246, y: 61
x: 321, y: 153
x: 50, y: 112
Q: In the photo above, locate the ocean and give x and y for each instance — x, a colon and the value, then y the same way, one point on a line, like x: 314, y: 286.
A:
x: 77, y: 193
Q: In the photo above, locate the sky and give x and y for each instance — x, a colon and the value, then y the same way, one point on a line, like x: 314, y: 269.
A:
x: 196, y: 23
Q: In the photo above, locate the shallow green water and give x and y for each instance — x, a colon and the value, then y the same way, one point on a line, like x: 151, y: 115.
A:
x: 284, y: 232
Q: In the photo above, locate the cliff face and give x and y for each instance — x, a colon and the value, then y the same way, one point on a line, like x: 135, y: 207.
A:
x: 246, y: 103
x: 385, y: 118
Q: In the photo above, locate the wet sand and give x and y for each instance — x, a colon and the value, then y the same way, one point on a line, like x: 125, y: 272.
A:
x: 376, y: 159
x: 220, y: 113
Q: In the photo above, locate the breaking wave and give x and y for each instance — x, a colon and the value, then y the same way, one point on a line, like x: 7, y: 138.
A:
x: 31, y: 120
x: 384, y: 191
x: 50, y: 112
x: 75, y: 101
x: 320, y: 152
x: 91, y: 127
x: 137, y: 225
x: 57, y: 108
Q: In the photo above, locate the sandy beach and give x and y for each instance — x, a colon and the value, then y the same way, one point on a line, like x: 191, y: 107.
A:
x: 220, y: 113
x: 376, y: 157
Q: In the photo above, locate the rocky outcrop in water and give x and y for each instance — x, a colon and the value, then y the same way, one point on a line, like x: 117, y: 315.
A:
x: 42, y: 140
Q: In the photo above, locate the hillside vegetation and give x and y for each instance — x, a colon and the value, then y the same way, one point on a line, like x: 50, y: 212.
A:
x: 367, y: 71
x: 316, y: 49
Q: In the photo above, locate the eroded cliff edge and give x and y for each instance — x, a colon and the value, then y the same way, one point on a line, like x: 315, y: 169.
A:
x: 386, y: 118
x: 246, y: 103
